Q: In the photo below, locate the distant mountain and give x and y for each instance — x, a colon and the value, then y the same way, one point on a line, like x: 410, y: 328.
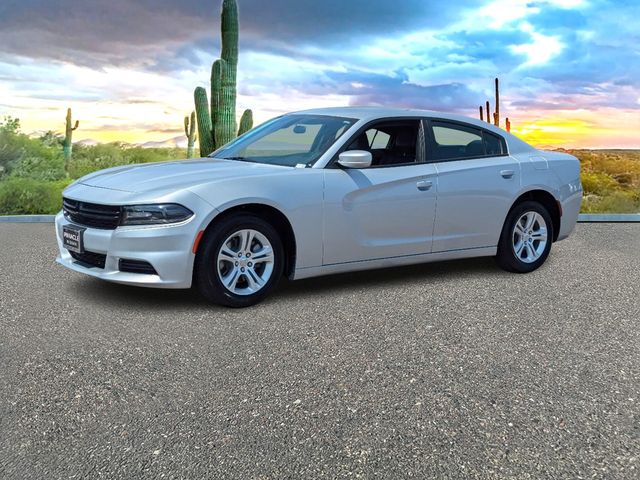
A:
x: 551, y: 148
x: 175, y: 142
x: 89, y: 142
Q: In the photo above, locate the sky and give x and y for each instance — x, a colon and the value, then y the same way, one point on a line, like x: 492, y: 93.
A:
x: 569, y: 69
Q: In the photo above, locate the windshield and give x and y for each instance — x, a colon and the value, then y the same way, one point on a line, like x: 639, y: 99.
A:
x: 289, y: 140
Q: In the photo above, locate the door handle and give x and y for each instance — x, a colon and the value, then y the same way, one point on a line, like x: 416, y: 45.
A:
x: 424, y: 185
x: 507, y: 173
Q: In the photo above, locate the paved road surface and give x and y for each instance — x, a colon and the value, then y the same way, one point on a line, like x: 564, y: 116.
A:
x: 454, y: 370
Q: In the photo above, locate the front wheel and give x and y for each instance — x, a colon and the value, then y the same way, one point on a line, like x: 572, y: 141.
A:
x: 526, y: 238
x: 239, y: 261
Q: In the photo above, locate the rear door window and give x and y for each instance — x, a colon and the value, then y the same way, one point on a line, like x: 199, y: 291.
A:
x: 452, y: 141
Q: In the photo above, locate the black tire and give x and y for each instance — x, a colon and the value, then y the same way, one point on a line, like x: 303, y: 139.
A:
x: 206, y: 275
x: 506, y: 257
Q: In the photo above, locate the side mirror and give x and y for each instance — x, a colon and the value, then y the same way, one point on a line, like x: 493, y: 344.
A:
x: 355, y: 159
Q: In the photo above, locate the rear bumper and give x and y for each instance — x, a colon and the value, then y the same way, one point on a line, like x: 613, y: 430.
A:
x: 570, y: 211
x: 167, y: 248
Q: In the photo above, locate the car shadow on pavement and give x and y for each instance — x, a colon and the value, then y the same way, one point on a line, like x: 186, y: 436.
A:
x: 389, y: 276
x: 99, y: 291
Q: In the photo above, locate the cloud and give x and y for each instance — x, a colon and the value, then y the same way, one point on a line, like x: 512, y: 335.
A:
x: 125, y: 33
x: 395, y: 90
x: 142, y: 58
x: 97, y: 33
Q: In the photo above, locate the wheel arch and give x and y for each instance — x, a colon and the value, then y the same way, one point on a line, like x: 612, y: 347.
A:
x: 548, y: 200
x: 275, y: 217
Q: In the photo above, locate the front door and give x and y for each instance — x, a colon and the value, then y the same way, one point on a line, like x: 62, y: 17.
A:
x: 386, y: 210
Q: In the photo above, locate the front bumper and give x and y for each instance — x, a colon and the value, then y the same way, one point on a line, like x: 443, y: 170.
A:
x: 168, y: 248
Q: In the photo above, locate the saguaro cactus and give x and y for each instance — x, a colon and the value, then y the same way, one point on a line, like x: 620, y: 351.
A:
x: 190, y: 132
x: 246, y: 122
x: 68, y: 134
x: 205, y: 127
x: 496, y: 115
x: 217, y: 126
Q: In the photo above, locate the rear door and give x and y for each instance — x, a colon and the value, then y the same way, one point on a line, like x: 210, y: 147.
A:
x: 477, y: 181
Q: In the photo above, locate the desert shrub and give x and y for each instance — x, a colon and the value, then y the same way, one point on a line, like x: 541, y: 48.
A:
x: 147, y: 155
x: 49, y: 167
x: 24, y: 196
x: 612, y: 202
x: 611, y: 180
x: 87, y: 159
x: 23, y: 156
x: 598, y: 183
x: 622, y: 165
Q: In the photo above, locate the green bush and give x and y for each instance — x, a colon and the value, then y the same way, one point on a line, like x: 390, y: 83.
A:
x: 87, y: 159
x: 598, y: 183
x: 612, y: 202
x: 26, y: 196
x: 23, y: 156
x: 48, y: 168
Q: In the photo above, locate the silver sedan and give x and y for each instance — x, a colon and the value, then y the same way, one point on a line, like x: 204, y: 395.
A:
x: 320, y: 192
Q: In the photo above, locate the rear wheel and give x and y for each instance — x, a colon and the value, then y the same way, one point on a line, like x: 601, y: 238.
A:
x: 526, y: 238
x: 239, y: 261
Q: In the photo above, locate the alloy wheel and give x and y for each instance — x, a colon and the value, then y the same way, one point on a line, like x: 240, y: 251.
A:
x: 245, y: 262
x: 529, y: 237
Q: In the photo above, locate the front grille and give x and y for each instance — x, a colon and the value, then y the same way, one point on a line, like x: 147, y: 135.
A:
x: 89, y: 259
x: 91, y: 214
x: 136, y: 266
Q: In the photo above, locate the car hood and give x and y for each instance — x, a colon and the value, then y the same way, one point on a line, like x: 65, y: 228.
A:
x: 173, y: 175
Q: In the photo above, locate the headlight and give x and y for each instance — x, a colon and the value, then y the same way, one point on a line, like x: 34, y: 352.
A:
x: 154, y: 214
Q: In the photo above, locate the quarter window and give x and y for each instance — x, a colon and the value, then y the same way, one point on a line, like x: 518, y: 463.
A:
x: 377, y: 139
x: 492, y: 144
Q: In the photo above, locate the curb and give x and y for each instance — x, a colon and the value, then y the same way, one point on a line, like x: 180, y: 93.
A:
x: 609, y: 217
x: 27, y: 218
x: 583, y: 218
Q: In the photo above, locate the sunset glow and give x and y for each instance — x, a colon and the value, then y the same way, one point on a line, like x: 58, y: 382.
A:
x: 570, y: 78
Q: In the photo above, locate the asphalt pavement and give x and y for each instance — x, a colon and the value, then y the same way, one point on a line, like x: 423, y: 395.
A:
x: 449, y: 370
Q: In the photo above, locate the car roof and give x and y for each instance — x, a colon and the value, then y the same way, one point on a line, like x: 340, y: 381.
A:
x: 366, y: 114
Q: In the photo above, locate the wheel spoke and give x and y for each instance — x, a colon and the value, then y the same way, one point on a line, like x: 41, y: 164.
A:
x: 254, y: 280
x: 246, y: 239
x: 518, y: 248
x: 531, y: 218
x: 519, y: 229
x: 540, y: 234
x: 231, y: 279
x: 227, y: 254
x: 528, y: 252
x: 265, y: 254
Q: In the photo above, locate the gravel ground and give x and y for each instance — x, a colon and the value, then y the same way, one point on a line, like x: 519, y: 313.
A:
x: 450, y: 370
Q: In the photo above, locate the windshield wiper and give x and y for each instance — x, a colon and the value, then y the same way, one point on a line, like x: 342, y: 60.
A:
x: 235, y: 158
